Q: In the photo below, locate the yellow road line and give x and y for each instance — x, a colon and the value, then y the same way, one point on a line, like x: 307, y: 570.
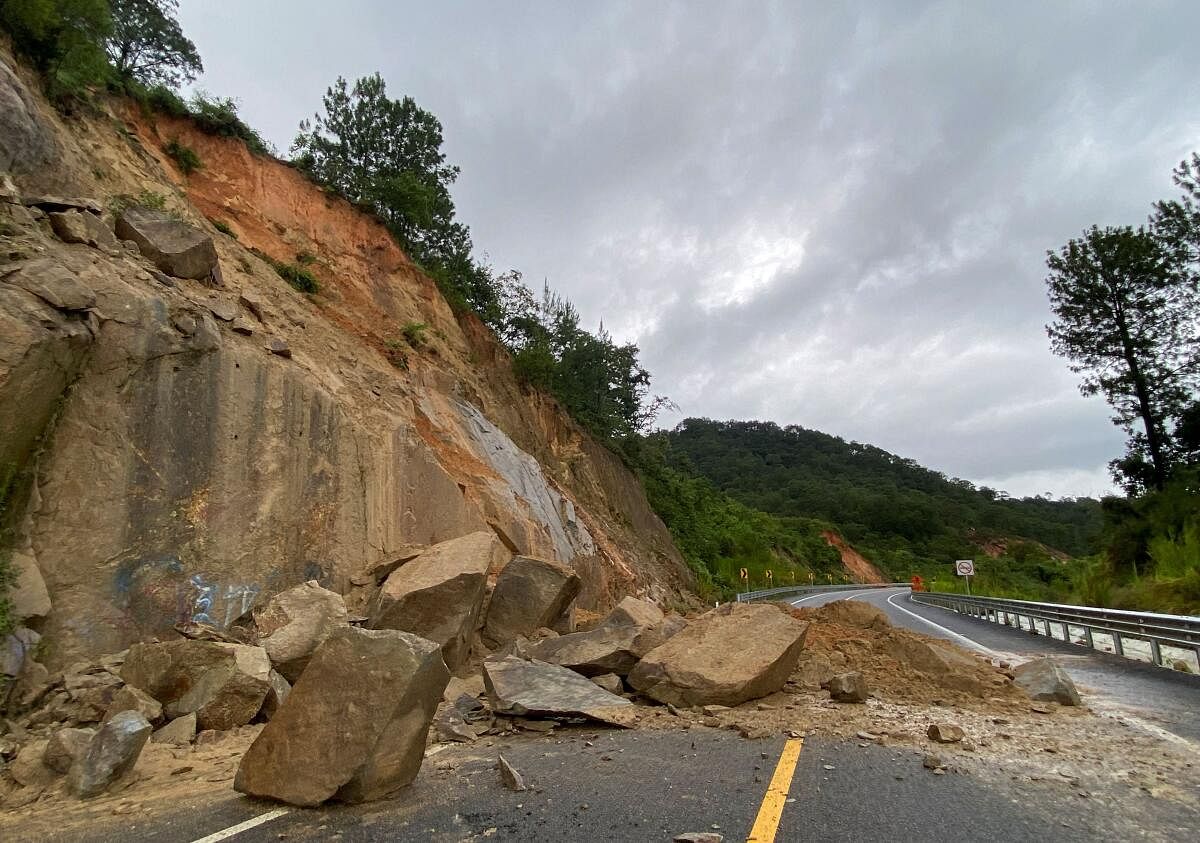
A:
x: 767, y: 821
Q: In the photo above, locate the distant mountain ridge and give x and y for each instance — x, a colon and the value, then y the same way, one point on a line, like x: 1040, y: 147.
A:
x: 895, y: 511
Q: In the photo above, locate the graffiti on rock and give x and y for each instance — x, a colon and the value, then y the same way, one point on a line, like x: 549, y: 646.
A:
x: 213, y: 603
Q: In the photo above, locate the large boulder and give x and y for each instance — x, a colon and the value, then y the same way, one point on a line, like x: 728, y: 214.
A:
x: 736, y: 653
x: 438, y: 594
x: 65, y: 747
x: 81, y: 227
x: 529, y: 594
x: 354, y: 726
x: 1044, y: 680
x: 533, y: 688
x: 295, y: 622
x: 630, y: 631
x: 223, y: 683
x: 112, y: 752
x: 130, y: 698
x: 176, y: 248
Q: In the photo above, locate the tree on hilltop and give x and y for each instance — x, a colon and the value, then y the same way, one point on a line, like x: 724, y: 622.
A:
x: 148, y: 46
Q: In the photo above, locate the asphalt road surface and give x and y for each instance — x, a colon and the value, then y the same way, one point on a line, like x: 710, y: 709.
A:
x: 610, y: 785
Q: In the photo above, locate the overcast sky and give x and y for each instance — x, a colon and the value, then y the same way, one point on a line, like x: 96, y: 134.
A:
x: 812, y: 213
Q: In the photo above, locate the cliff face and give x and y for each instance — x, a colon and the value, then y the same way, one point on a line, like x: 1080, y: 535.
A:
x: 172, y: 467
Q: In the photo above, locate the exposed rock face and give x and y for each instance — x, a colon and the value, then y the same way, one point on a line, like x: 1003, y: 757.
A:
x: 295, y: 622
x: 1044, y: 680
x: 354, y: 725
x: 438, y: 594
x: 529, y: 594
x: 52, y: 282
x: 81, y: 227
x: 112, y: 752
x: 628, y: 632
x: 219, y: 473
x: 26, y: 142
x: 520, y: 687
x: 276, y: 694
x: 224, y: 684
x: 736, y: 653
x: 172, y: 245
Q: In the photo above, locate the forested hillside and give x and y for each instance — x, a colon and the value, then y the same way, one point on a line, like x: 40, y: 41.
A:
x: 901, y: 515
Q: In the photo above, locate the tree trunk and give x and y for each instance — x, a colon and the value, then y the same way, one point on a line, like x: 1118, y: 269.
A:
x: 1157, y: 460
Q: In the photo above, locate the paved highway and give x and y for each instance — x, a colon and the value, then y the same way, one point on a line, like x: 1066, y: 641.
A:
x: 609, y: 785
x: 1153, y: 697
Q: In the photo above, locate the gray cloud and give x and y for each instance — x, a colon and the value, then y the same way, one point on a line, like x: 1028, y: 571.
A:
x: 823, y: 216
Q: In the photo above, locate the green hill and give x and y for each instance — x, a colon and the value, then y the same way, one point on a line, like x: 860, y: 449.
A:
x: 903, y: 517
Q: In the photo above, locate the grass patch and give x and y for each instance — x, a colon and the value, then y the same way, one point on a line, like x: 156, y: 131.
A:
x: 414, y: 333
x: 145, y: 199
x: 185, y: 157
x: 223, y: 227
x: 306, y: 258
x: 299, y: 277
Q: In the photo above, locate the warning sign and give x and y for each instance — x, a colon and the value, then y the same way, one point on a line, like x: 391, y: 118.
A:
x: 745, y: 574
x: 965, y: 567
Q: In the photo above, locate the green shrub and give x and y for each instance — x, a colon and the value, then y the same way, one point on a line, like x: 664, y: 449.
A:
x: 223, y: 227
x: 414, y: 333
x: 219, y: 116
x: 185, y: 157
x: 64, y: 39
x: 160, y: 99
x: 299, y: 277
x: 306, y: 258
x: 145, y: 199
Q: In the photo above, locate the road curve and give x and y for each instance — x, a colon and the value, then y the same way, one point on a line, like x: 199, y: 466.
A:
x: 1151, y: 697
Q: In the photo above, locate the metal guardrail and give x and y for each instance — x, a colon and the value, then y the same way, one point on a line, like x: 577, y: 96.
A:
x: 787, y: 591
x: 1182, y: 631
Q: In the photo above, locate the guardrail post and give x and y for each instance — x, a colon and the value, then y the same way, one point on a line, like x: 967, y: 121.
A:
x: 1087, y: 637
x: 1046, y: 622
x: 1155, y: 652
x: 1118, y: 646
x: 1033, y: 624
x: 1066, y: 632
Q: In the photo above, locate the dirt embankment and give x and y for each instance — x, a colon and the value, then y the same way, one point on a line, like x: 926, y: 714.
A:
x: 859, y: 566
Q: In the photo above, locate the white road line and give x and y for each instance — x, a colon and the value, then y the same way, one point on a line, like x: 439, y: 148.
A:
x: 225, y: 834
x: 962, y: 639
x: 814, y: 596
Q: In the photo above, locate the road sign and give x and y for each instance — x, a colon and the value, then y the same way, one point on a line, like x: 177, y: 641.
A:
x: 965, y: 567
x: 770, y: 574
x: 744, y: 574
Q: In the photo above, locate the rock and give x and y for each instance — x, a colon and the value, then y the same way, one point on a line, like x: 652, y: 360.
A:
x: 610, y: 682
x: 738, y: 652
x: 698, y: 837
x: 848, y: 687
x: 295, y: 622
x: 355, y: 723
x: 438, y: 594
x: 225, y: 684
x: 176, y: 248
x: 79, y: 227
x: 932, y: 762
x: 524, y: 688
x: 276, y: 694
x: 509, y: 777
x: 451, y: 726
x: 529, y: 594
x: 714, y: 710
x: 31, y: 685
x: 28, y: 596
x: 179, y: 732
x: 472, y: 687
x: 18, y: 645
x: 253, y: 305
x: 278, y: 347
x: 65, y: 747
x: 1045, y: 681
x: 1181, y: 666
x: 629, y: 632
x: 63, y: 204
x: 243, y: 327
x: 952, y: 667
x: 130, y: 698
x: 945, y: 733
x: 54, y: 284
x: 380, y: 571
x: 28, y: 769
x: 112, y: 752
x: 22, y: 796
x: 814, y: 670
x: 223, y: 309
